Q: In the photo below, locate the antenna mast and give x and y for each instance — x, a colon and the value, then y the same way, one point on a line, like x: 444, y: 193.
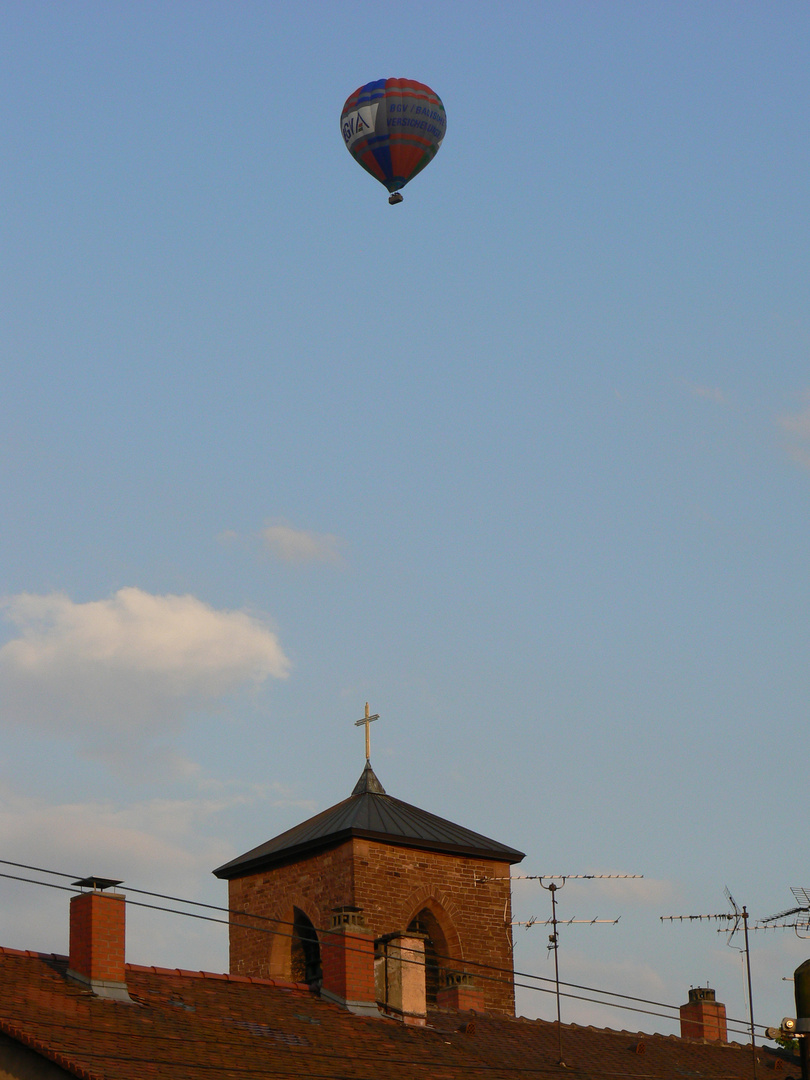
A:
x: 739, y: 915
x: 554, y: 922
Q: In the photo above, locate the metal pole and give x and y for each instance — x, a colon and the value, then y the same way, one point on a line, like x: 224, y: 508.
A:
x: 553, y: 890
x: 750, y: 992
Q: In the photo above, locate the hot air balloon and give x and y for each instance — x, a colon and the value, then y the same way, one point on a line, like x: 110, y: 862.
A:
x: 393, y: 128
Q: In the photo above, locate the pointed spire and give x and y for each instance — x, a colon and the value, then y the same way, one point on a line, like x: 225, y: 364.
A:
x: 368, y: 784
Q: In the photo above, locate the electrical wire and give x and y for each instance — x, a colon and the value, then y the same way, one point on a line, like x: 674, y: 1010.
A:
x: 490, y: 978
x: 419, y: 960
x: 480, y: 967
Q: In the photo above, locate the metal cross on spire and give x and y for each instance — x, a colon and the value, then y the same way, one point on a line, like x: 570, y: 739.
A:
x: 367, y: 720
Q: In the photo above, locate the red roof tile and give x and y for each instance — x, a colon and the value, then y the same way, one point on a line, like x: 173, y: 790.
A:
x: 204, y: 1026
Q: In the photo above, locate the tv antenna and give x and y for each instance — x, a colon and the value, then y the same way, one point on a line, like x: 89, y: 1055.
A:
x: 738, y: 916
x: 801, y: 911
x: 554, y: 941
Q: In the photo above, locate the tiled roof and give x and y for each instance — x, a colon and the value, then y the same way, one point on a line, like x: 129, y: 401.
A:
x: 369, y: 812
x: 199, y: 1026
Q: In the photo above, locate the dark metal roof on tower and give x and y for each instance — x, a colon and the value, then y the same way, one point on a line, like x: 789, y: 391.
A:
x: 371, y: 814
x: 368, y: 784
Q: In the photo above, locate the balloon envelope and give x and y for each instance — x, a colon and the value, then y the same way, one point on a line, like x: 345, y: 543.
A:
x: 393, y: 128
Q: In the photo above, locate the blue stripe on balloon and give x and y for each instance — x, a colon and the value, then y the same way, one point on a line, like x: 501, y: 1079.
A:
x: 372, y: 91
x: 382, y: 155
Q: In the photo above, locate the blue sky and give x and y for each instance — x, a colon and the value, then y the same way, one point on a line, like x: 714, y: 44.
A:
x: 524, y: 462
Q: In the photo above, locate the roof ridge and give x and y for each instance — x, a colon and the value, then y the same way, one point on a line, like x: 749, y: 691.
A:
x: 155, y: 969
x: 224, y: 976
x: 629, y: 1032
x: 6, y: 950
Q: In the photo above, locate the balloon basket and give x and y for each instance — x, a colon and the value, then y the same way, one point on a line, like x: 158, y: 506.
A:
x: 395, y: 198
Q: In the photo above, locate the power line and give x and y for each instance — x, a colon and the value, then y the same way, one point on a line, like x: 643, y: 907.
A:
x: 510, y: 980
x: 555, y: 883
x: 490, y: 978
x: 482, y: 969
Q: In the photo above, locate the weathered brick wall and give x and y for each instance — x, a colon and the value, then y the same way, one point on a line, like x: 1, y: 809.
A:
x: 392, y: 885
x: 316, y: 884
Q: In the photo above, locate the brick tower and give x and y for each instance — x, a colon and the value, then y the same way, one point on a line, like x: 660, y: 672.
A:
x: 402, y: 868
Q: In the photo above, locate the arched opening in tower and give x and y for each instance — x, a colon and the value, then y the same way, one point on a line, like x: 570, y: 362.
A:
x: 305, y: 951
x: 425, y: 922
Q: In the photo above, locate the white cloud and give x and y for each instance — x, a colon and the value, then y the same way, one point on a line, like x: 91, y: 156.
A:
x: 797, y: 424
x: 640, y: 892
x: 709, y: 393
x: 635, y: 891
x: 298, y: 545
x: 157, y: 837
x: 131, y: 664
x: 801, y: 455
x: 634, y: 977
x: 164, y: 845
x: 152, y: 840
x: 797, y: 428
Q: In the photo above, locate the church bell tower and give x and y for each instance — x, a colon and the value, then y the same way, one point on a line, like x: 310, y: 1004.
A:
x: 400, y: 870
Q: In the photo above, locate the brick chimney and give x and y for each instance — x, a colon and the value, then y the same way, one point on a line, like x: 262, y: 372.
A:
x: 98, y: 938
x: 703, y: 1017
x: 400, y: 976
x: 460, y: 994
x: 347, y: 961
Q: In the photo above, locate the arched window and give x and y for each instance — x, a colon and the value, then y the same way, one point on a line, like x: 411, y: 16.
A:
x: 305, y: 952
x: 425, y: 922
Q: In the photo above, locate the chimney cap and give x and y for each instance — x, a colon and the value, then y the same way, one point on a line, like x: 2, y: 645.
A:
x: 97, y: 884
x: 347, y: 915
x: 701, y: 993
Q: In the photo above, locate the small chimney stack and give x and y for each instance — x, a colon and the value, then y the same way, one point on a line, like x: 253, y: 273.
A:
x: 400, y: 976
x: 703, y: 1017
x: 347, y: 961
x: 98, y: 938
x: 460, y: 994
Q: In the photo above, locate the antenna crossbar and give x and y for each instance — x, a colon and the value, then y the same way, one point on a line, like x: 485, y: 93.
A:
x: 737, y: 916
x: 566, y: 922
x: 557, y: 877
x: 552, y: 883
x: 803, y: 908
x: 698, y: 918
